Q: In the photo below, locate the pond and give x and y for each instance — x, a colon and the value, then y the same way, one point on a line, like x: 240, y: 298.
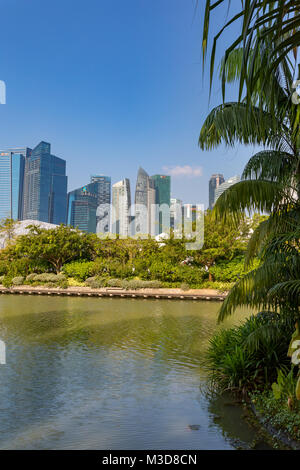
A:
x: 89, y: 373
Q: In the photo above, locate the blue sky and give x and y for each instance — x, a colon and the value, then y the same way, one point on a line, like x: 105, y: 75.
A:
x: 112, y: 84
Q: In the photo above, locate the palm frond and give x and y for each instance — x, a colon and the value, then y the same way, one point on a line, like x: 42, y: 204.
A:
x: 248, y: 195
x: 231, y: 122
x: 270, y: 165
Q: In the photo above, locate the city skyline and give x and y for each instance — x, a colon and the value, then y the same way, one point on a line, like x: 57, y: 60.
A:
x: 34, y: 187
x: 134, y: 96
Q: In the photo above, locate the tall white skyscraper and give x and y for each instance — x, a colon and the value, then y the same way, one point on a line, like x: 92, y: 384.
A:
x: 230, y: 182
x: 121, y: 202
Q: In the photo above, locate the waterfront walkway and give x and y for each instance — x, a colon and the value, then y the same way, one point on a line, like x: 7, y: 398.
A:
x: 162, y: 293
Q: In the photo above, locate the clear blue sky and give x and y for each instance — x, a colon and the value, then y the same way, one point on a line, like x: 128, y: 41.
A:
x: 112, y: 84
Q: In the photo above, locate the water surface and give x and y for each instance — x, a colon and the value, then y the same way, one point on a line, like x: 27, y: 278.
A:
x: 86, y: 373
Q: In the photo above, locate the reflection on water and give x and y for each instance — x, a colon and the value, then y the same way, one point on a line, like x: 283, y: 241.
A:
x: 109, y: 374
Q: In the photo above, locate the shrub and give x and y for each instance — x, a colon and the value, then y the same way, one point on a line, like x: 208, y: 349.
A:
x: 31, y: 277
x: 276, y: 413
x: 184, y: 286
x: 17, y: 281
x: 230, y: 271
x: 114, y: 283
x: 3, y: 267
x: 74, y: 283
x: 96, y: 282
x: 139, y: 284
x: 79, y: 270
x: 1, y: 279
x: 46, y: 278
x: 247, y: 357
x: 7, y: 281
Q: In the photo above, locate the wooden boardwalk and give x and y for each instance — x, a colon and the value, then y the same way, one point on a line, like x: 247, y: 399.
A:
x: 116, y: 292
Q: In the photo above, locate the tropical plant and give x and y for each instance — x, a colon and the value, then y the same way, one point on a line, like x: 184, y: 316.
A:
x: 271, y: 184
x: 269, y: 21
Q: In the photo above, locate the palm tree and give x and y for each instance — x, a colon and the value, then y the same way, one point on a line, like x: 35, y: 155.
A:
x: 275, y: 21
x: 270, y: 184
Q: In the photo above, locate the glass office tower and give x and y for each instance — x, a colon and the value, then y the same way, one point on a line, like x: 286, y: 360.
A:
x: 104, y: 200
x: 45, y: 186
x: 12, y: 164
x: 82, y: 208
x: 162, y: 185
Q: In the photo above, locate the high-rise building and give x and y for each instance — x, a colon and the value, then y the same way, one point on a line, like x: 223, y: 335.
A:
x: 104, y: 200
x: 82, y: 208
x: 214, y: 182
x: 176, y: 214
x: 230, y: 182
x: 143, y: 193
x: 121, y: 203
x: 12, y: 165
x: 162, y: 185
x: 45, y: 186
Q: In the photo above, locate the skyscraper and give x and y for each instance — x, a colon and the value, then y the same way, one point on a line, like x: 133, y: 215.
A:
x: 143, y: 193
x: 121, y: 203
x: 104, y: 200
x: 12, y: 164
x: 45, y: 186
x: 176, y: 213
x: 162, y: 185
x: 214, y: 183
x: 230, y: 182
x: 82, y: 208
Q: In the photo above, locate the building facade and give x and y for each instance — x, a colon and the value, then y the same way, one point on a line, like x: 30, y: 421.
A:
x: 214, y: 182
x: 104, y: 201
x: 230, y: 182
x: 142, y: 196
x: 12, y: 167
x: 162, y: 185
x: 121, y: 204
x: 82, y: 208
x: 176, y: 214
x: 45, y: 186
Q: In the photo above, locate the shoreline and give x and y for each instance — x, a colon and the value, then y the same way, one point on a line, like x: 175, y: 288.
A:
x: 161, y: 293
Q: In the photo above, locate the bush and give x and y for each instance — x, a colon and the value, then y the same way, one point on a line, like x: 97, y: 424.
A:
x: 31, y: 277
x: 114, y: 283
x: 3, y: 267
x: 230, y: 271
x: 46, y: 278
x: 17, y: 281
x: 276, y: 413
x: 184, y: 286
x: 7, y: 281
x: 1, y: 279
x: 96, y: 282
x: 74, y: 283
x: 79, y: 270
x: 139, y: 284
x: 247, y: 357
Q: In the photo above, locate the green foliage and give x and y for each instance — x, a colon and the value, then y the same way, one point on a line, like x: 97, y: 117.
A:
x: 184, y: 286
x: 276, y: 412
x: 80, y: 270
x: 47, y: 279
x: 17, y: 281
x: 231, y: 271
x: 247, y: 357
x: 55, y: 246
x: 285, y: 385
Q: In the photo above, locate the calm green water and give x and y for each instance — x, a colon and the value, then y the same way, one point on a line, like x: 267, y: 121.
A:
x: 110, y: 374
